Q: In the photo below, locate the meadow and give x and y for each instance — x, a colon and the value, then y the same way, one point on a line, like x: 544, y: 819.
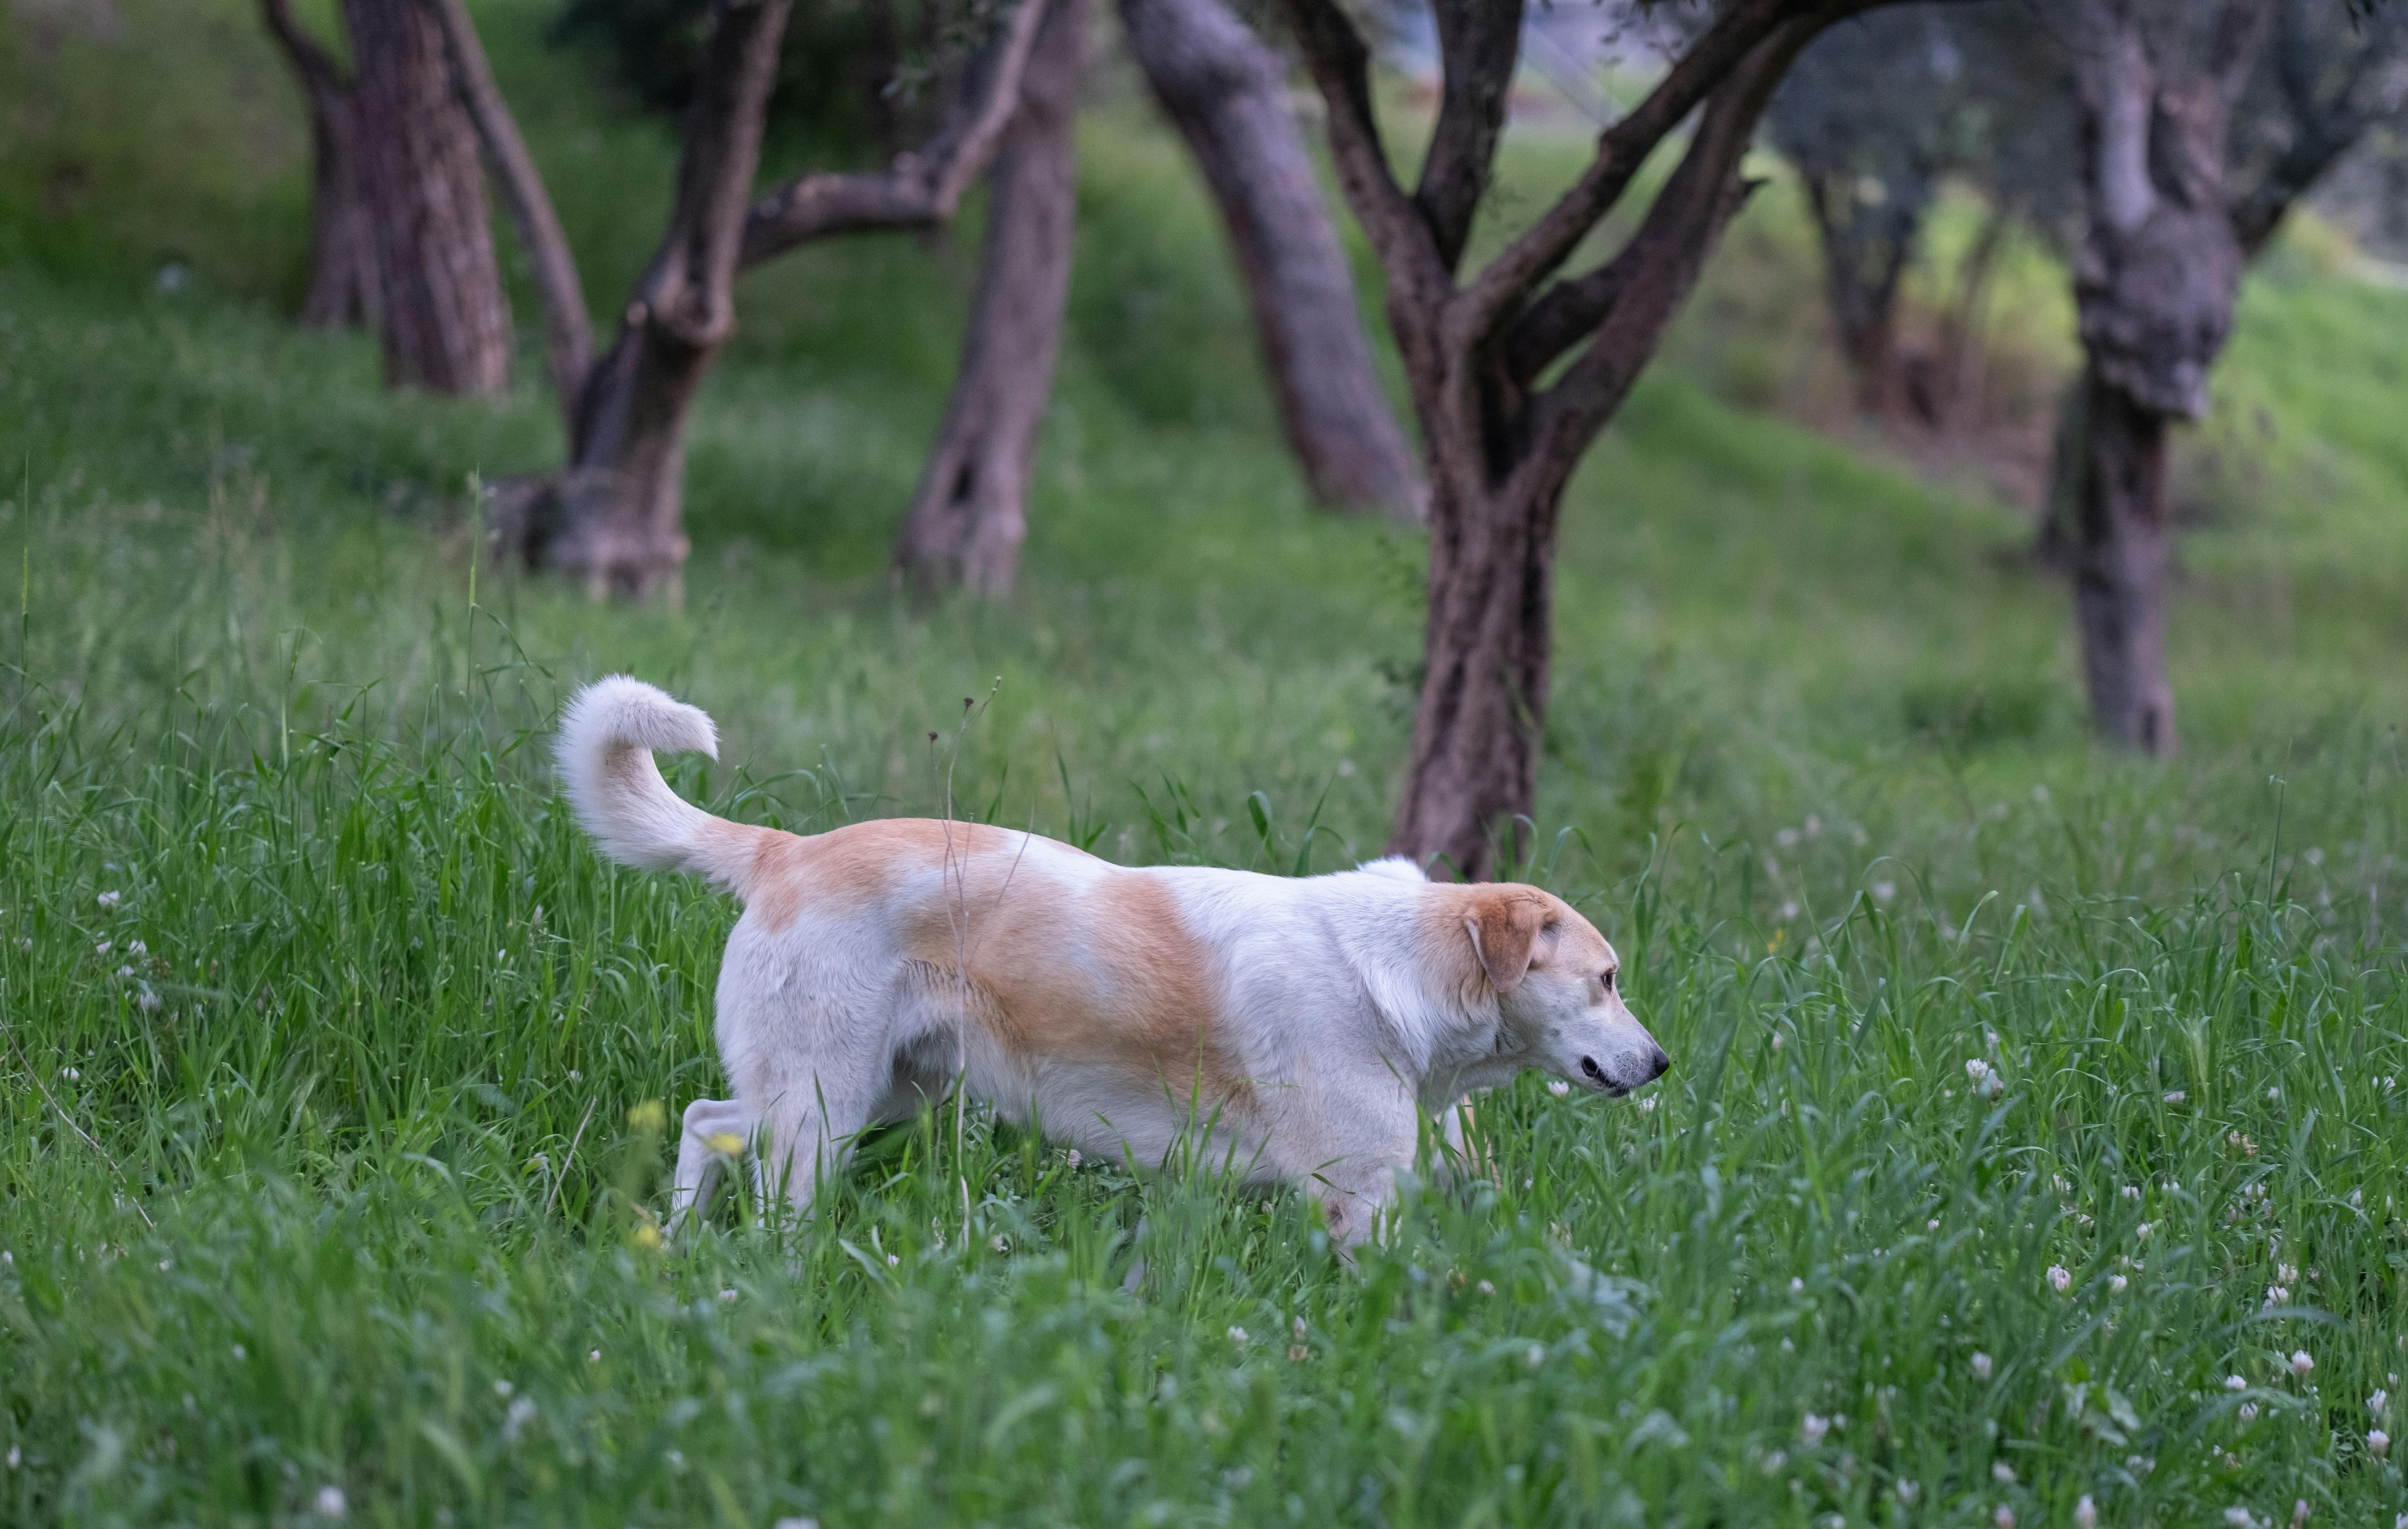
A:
x: 2035, y: 1137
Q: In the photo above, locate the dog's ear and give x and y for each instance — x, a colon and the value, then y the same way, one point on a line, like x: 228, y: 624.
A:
x: 1504, y: 923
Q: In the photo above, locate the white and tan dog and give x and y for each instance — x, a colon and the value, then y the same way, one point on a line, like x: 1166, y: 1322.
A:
x: 1307, y: 1029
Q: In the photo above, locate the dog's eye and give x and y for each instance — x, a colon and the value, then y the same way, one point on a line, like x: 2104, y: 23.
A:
x: 1608, y: 981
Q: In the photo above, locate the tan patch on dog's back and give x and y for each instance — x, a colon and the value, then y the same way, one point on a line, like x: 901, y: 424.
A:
x: 1107, y: 973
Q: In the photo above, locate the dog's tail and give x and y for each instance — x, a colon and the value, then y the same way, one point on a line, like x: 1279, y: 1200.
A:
x: 604, y: 753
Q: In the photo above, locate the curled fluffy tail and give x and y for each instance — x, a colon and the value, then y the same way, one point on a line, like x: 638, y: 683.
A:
x: 605, y: 752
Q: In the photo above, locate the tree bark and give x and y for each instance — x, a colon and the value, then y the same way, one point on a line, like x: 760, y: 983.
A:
x: 2122, y: 550
x: 342, y: 257
x: 2155, y: 288
x: 444, y: 320
x: 620, y: 505
x: 969, y: 516
x: 569, y: 328
x: 1485, y: 651
x: 1226, y: 92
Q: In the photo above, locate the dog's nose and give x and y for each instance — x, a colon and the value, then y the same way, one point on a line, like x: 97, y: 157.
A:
x: 1658, y: 1064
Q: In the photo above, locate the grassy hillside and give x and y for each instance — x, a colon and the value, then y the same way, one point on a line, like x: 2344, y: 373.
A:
x: 337, y: 1062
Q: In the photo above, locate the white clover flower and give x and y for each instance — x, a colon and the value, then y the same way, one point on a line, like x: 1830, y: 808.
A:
x: 1931, y: 1225
x: 2286, y: 1274
x: 110, y: 900
x: 1238, y: 1335
x: 2299, y: 1512
x: 2302, y: 1363
x: 2239, y: 1517
x: 594, y: 1358
x: 2248, y: 1412
x: 2378, y: 1443
x: 2116, y: 1284
x: 999, y: 1243
x: 2176, y: 1097
x: 1484, y: 1286
x: 2276, y: 1295
x: 1980, y: 1367
x: 1647, y: 1105
x: 2003, y: 1473
x: 330, y: 1503
x: 1812, y: 1428
x: 1883, y: 891
x: 1074, y: 1158
x: 797, y: 1524
x: 2234, y: 1382
x: 2130, y: 1192
x: 1535, y: 1357
x: 2085, y: 1513
x: 514, y: 1422
x: 1796, y: 1285
x: 1773, y: 1461
x: 2004, y: 1518
x: 1558, y: 1088
x: 893, y: 1260
x: 2059, y: 1279
x: 1297, y: 1327
x: 1907, y: 1492
x: 727, y: 1297
x: 2378, y: 1401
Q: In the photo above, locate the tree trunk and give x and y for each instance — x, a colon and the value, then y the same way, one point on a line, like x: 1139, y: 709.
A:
x: 1226, y: 92
x: 969, y: 516
x: 445, y: 323
x: 2123, y: 546
x: 616, y: 517
x: 2155, y: 287
x: 342, y: 257
x: 1865, y: 250
x: 1474, y: 762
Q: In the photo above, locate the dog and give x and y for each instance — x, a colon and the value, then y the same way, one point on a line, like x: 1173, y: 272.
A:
x: 1305, y: 1029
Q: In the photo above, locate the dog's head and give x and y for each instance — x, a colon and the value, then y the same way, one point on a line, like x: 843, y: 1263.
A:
x: 1558, y: 989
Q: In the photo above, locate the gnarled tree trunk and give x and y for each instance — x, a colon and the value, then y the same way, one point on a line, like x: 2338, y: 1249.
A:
x: 2123, y: 546
x: 342, y: 257
x: 441, y: 312
x: 621, y: 502
x: 969, y: 516
x: 1226, y: 92
x: 2158, y: 274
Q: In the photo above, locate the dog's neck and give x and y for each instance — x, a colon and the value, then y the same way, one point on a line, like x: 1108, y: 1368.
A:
x: 1447, y: 1035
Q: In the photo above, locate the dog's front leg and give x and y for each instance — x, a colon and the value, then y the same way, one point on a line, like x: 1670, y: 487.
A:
x: 1351, y: 1146
x: 716, y: 1131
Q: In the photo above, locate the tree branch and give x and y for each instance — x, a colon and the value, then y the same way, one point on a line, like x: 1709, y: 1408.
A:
x: 1500, y: 287
x: 310, y: 60
x: 1479, y: 41
x: 1661, y: 262
x: 919, y: 189
x: 568, y: 326
x: 1341, y: 66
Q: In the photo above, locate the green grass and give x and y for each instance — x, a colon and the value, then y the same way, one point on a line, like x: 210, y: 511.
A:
x: 331, y: 1047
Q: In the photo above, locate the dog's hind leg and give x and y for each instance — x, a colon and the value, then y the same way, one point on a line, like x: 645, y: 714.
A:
x: 810, y: 1115
x: 717, y: 1131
